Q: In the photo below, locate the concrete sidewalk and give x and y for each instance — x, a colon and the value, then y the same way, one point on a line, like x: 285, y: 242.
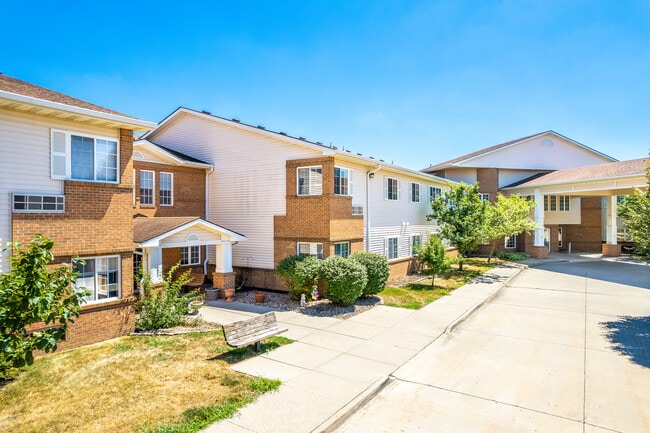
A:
x: 336, y: 365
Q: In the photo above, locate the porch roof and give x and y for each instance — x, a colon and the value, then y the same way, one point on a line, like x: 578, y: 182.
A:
x: 176, y: 231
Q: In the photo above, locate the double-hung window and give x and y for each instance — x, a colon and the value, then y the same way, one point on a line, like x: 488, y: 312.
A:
x: 190, y: 255
x: 434, y: 192
x: 342, y: 249
x: 166, y: 187
x: 416, y: 242
x: 310, y: 249
x: 391, y: 188
x: 392, y: 248
x: 100, y: 276
x: 342, y: 181
x: 310, y: 180
x: 146, y: 187
x: 83, y: 157
x: 415, y: 192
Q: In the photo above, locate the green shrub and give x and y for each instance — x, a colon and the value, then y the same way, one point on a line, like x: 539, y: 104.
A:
x: 377, y: 270
x: 345, y: 279
x: 305, y: 277
x: 286, y: 270
x: 165, y: 308
x: 512, y: 257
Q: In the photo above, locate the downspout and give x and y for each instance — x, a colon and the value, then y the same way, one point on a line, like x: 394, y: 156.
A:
x: 369, y: 175
x: 207, y: 207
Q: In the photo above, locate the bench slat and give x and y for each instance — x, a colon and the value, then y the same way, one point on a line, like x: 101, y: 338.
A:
x: 253, y: 330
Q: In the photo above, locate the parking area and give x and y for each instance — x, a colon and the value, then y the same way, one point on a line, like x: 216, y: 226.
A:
x: 564, y: 348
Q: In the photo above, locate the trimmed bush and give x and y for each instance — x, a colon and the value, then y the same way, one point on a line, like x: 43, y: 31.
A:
x: 377, y: 270
x: 305, y: 278
x: 345, y: 279
x: 512, y: 257
x: 286, y: 270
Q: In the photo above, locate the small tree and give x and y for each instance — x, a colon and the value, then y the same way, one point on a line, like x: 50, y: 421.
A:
x: 635, y: 212
x: 460, y: 213
x: 32, y: 293
x: 433, y: 256
x: 508, y: 216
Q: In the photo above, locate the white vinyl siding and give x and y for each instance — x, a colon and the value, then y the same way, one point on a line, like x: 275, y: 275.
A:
x: 310, y: 249
x: 166, y: 185
x: 415, y: 192
x: 310, y: 180
x: 146, y: 187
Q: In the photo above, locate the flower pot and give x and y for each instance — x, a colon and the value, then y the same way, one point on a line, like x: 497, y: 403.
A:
x: 193, y: 307
x: 211, y: 294
x: 259, y: 297
x: 229, y: 294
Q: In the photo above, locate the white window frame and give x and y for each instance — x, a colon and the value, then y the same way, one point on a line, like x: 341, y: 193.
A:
x: 484, y: 196
x: 36, y: 203
x: 153, y: 188
x: 565, y: 203
x: 313, y: 249
x: 414, y: 192
x: 389, y: 194
x: 191, y: 255
x: 171, y: 188
x: 348, y: 176
x: 434, y: 192
x: 388, y: 247
x: 61, y: 155
x: 510, y: 242
x: 94, y: 295
x: 357, y: 209
x: 341, y: 252
x: 313, y: 180
x: 413, y: 243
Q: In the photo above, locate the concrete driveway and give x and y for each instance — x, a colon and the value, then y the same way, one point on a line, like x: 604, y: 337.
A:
x: 564, y: 348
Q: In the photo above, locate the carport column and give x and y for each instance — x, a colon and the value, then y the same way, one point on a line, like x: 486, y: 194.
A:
x: 610, y: 248
x: 223, y: 277
x: 539, y: 250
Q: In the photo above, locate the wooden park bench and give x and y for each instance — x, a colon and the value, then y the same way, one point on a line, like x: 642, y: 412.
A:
x: 254, y: 330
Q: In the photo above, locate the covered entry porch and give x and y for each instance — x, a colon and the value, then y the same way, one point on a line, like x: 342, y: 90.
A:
x: 163, y: 242
x: 566, y: 188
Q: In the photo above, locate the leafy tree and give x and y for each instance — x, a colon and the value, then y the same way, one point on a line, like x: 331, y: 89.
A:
x: 508, y: 216
x: 635, y: 212
x: 33, y: 293
x: 433, y: 256
x: 460, y: 213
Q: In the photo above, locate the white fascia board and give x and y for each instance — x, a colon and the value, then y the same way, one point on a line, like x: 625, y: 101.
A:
x: 604, y: 183
x: 230, y: 235
x: 164, y: 154
x: 140, y: 125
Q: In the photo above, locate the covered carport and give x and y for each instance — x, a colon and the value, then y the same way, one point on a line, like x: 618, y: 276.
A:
x: 603, y: 180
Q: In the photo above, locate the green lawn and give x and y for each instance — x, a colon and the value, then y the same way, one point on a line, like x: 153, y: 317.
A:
x: 417, y: 295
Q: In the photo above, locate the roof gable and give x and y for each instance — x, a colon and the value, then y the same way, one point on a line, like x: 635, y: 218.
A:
x: 144, y: 150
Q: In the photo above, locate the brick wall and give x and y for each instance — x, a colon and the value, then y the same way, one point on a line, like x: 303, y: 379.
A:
x: 188, y: 191
x: 586, y: 237
x: 488, y: 179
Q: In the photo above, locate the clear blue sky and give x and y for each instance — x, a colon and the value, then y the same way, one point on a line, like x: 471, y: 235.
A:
x: 414, y: 82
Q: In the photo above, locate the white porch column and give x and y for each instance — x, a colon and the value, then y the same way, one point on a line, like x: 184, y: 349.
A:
x: 223, y: 257
x: 612, y: 229
x: 154, y: 258
x: 538, y: 234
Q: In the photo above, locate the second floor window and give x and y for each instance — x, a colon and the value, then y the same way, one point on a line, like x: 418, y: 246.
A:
x: 434, y: 192
x: 415, y: 192
x: 341, y: 181
x: 81, y: 157
x: 166, y: 182
x: 146, y: 187
x: 310, y: 180
x: 392, y: 189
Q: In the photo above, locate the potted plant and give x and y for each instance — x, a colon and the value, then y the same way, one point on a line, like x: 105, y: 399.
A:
x: 229, y: 294
x: 194, y: 305
x: 259, y: 297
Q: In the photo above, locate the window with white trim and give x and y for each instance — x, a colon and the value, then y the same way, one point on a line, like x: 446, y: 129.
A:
x: 392, y: 248
x: 434, y: 192
x: 357, y: 209
x: 485, y: 197
x: 190, y: 255
x: 342, y: 249
x: 415, y: 192
x: 100, y: 276
x: 146, y: 187
x: 391, y: 188
x: 416, y: 241
x: 38, y: 203
x: 551, y: 203
x: 342, y: 181
x: 310, y: 180
x: 166, y: 183
x: 83, y: 157
x: 564, y: 203
x: 511, y: 242
x: 310, y: 249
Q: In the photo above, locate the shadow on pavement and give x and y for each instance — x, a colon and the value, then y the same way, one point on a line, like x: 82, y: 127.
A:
x: 615, y: 272
x: 630, y: 336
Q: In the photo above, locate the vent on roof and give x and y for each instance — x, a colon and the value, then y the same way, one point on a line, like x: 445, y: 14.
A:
x: 206, y: 112
x: 235, y: 120
x: 359, y: 154
x: 371, y: 157
x: 261, y: 127
x: 302, y: 138
x: 283, y: 133
x: 348, y: 151
x: 381, y: 160
x: 318, y: 142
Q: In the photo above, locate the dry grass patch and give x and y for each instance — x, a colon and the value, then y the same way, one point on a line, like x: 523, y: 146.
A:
x: 417, y: 295
x: 132, y: 384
